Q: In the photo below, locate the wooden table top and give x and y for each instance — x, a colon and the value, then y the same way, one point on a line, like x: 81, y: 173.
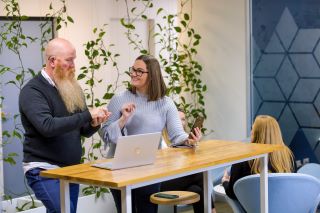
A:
x: 169, y: 162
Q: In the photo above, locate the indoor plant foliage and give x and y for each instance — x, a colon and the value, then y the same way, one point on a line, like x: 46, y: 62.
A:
x: 176, y: 55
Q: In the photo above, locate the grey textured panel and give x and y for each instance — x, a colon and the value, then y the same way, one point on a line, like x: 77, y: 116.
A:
x: 268, y: 65
x: 268, y: 89
x: 257, y: 101
x: 271, y: 108
x: 274, y: 45
x: 316, y: 53
x: 287, y: 77
x: 306, y: 40
x: 317, y: 103
x: 288, y: 124
x: 306, y: 65
x: 306, y: 115
x: 286, y: 28
x: 313, y: 136
x: 306, y: 90
x: 256, y: 53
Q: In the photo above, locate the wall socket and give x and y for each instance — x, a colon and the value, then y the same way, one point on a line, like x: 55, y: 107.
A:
x: 298, y: 163
x: 305, y: 161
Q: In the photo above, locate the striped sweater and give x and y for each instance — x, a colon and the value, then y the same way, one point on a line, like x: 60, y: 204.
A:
x: 149, y: 116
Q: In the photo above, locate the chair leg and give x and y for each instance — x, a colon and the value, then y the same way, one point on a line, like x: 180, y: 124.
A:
x: 175, y: 209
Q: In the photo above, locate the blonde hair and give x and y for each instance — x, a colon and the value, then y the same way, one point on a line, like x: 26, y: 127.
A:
x: 266, y: 130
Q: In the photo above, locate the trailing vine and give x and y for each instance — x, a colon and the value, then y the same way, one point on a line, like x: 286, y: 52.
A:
x: 177, y: 57
x: 13, y: 38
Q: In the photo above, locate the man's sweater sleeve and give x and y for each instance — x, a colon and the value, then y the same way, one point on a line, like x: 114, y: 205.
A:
x: 36, y: 108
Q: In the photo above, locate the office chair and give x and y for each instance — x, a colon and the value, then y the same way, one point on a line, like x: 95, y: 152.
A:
x: 312, y: 169
x: 288, y: 193
x: 234, y: 204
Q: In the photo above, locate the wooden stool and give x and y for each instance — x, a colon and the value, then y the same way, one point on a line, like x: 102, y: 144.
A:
x: 185, y: 197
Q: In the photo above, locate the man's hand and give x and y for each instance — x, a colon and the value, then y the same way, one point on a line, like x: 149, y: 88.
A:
x: 99, y: 116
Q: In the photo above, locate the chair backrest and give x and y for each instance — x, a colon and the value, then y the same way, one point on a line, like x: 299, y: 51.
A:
x: 312, y: 169
x: 288, y: 192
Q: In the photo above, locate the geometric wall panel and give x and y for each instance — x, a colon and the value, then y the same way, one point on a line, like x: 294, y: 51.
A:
x: 285, y: 80
x: 271, y: 108
x: 287, y: 77
x: 306, y: 65
x: 268, y: 65
x: 306, y: 115
x: 300, y: 44
x: 268, y: 89
x: 288, y: 125
x: 306, y: 90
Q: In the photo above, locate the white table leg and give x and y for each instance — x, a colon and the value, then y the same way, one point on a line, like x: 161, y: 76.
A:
x: 64, y: 196
x: 264, y: 184
x: 207, y: 193
x: 126, y: 200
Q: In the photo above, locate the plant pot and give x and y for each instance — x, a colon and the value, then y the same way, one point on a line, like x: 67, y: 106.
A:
x: 22, y: 204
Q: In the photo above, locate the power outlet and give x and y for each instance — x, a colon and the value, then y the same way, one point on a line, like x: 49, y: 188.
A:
x: 298, y: 163
x: 305, y: 161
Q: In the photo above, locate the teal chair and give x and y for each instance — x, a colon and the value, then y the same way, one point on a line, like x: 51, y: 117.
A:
x: 312, y: 169
x: 288, y: 193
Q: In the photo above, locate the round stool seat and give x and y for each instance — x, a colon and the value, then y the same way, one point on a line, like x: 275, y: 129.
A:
x: 185, y: 197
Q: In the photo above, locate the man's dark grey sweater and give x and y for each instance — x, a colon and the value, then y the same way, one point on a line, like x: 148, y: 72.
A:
x: 52, y: 134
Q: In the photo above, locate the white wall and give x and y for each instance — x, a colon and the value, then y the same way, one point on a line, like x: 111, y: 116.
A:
x: 223, y: 54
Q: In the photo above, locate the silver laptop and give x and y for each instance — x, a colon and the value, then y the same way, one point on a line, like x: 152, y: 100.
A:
x: 133, y: 150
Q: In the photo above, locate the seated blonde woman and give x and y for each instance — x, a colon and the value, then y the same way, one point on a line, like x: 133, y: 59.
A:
x: 265, y: 130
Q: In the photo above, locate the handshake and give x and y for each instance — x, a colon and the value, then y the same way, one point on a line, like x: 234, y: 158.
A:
x: 99, y: 116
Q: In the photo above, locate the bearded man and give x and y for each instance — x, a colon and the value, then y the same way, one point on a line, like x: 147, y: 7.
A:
x: 55, y: 116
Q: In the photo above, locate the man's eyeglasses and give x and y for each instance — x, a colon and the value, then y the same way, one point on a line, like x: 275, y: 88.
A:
x: 136, y: 72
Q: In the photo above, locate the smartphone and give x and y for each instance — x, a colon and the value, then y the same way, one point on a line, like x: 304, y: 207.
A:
x: 197, y: 123
x: 167, y: 196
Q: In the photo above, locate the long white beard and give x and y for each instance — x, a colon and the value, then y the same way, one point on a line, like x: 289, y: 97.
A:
x: 71, y: 94
x: 69, y: 89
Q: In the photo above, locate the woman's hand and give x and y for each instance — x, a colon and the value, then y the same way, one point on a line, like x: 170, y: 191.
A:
x: 226, y: 176
x: 127, y: 111
x: 194, y: 137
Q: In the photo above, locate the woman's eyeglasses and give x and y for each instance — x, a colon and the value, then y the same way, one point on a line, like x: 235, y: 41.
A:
x: 136, y: 72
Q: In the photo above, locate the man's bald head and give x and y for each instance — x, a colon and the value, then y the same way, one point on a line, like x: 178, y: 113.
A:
x: 59, y: 53
x: 58, y: 47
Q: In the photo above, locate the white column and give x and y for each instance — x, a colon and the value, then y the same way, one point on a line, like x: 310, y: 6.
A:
x: 126, y: 200
x: 207, y: 191
x: 64, y: 196
x: 264, y: 184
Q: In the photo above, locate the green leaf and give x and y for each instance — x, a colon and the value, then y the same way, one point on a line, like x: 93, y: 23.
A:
x: 144, y: 52
x: 159, y: 10
x: 58, y: 27
x: 196, y: 43
x: 16, y: 134
x: 108, y: 96
x: 101, y: 34
x: 144, y: 17
x: 23, y: 18
x: 81, y: 76
x: 183, y: 23
x: 133, y: 9
x: 50, y: 6
x: 178, y: 29
x: 197, y: 36
x: 186, y: 16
